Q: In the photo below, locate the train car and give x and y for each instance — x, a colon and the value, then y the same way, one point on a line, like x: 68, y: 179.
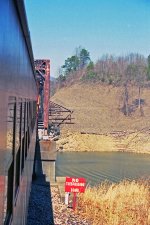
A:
x: 18, y: 96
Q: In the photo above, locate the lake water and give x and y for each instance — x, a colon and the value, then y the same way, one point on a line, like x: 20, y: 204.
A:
x: 97, y: 166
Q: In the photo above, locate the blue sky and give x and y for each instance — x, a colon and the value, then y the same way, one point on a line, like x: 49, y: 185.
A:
x: 115, y: 27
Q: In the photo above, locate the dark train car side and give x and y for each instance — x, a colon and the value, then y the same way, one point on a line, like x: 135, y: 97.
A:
x: 18, y: 95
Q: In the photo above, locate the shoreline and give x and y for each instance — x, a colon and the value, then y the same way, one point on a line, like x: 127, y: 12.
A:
x: 134, y: 142
x: 117, y: 151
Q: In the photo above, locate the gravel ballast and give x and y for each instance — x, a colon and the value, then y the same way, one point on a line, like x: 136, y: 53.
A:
x: 46, y: 208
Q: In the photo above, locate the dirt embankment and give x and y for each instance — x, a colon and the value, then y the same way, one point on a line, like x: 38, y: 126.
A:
x: 99, y: 124
x: 138, y: 143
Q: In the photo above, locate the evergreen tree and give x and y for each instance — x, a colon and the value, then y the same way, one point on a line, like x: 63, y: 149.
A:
x: 76, y: 62
x: 84, y: 58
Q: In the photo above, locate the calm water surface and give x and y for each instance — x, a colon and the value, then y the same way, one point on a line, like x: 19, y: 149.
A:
x: 97, y: 167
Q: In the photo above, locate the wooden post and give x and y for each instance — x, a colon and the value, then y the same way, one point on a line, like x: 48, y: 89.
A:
x: 66, y: 198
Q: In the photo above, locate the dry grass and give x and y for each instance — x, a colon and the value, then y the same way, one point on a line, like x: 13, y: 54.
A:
x: 86, y: 142
x: 96, y: 108
x: 126, y: 203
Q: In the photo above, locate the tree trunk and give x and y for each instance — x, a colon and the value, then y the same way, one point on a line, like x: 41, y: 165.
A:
x: 126, y: 97
x: 139, y: 101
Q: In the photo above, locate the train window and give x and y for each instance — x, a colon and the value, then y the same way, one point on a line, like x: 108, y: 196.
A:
x: 30, y: 113
x: 27, y: 131
x: 20, y: 131
x: 26, y: 144
x: 27, y: 113
x: 26, y: 116
x: 22, y: 155
x: 23, y: 135
x: 31, y: 116
x: 23, y: 120
x: 18, y: 124
x: 17, y: 171
x: 34, y: 112
x: 31, y: 110
x: 11, y: 121
x: 9, y: 193
x: 30, y: 124
x: 28, y: 137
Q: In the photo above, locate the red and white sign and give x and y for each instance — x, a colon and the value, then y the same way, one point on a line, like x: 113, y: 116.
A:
x: 75, y: 185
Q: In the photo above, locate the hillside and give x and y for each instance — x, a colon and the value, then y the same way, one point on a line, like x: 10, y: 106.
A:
x: 97, y: 109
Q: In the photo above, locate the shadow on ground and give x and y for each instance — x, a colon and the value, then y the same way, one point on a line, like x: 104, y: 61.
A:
x: 40, y: 211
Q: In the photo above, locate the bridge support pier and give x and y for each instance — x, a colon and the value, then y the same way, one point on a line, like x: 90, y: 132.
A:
x: 45, y: 160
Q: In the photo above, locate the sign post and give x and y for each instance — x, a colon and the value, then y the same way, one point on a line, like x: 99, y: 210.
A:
x: 66, y: 198
x: 75, y: 185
